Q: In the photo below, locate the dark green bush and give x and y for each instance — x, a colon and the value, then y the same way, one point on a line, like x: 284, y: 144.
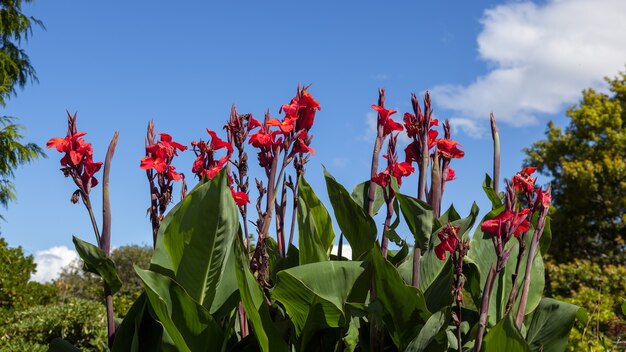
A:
x: 81, y: 322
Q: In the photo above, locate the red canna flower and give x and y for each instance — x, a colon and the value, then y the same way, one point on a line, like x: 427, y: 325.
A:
x: 241, y: 198
x: 206, y: 165
x: 306, y: 110
x: 523, y: 182
x: 159, y: 157
x: 544, y: 198
x: 449, y: 239
x: 385, y: 120
x: 286, y: 126
x: 78, y: 159
x: 506, y: 221
x: 451, y: 174
x: 449, y: 148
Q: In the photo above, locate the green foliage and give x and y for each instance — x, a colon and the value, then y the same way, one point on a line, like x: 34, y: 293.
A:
x: 80, y: 322
x: 97, y: 262
x: 600, y: 290
x: 75, y: 282
x: 13, y: 154
x: 16, y: 291
x: 587, y: 164
x: 15, y: 67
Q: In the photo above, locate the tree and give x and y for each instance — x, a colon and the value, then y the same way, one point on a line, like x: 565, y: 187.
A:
x: 75, y: 282
x: 15, y: 71
x: 16, y: 292
x: 587, y: 163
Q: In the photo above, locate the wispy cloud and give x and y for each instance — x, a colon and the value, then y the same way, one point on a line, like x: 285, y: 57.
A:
x: 540, y: 57
x: 51, y: 261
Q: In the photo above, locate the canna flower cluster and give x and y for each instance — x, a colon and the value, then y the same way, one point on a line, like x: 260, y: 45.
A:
x: 159, y: 157
x: 449, y: 240
x: 77, y: 162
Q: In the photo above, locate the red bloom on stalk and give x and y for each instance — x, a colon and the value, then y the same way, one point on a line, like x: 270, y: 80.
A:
x: 413, y: 124
x: 499, y: 225
x: 395, y: 169
x: 544, y: 198
x: 301, y: 145
x: 241, y: 198
x: 449, y: 239
x: 205, y: 164
x: 159, y: 157
x: 287, y: 125
x: 385, y: 120
x: 78, y: 159
x: 449, y: 148
x: 306, y: 109
x: 451, y: 174
x: 411, y: 149
x: 523, y: 182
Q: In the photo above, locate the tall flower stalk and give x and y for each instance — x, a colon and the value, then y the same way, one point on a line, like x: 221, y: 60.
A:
x: 78, y: 164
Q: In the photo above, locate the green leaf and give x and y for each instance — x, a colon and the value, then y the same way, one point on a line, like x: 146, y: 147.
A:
x: 360, y: 194
x: 357, y: 226
x: 404, y: 307
x: 254, y: 304
x: 495, y: 199
x: 188, y: 323
x: 419, y: 218
x: 549, y: 325
x: 315, y: 228
x: 60, y: 345
x: 138, y: 331
x: 195, y: 238
x: 505, y: 337
x: 428, y: 332
x: 98, y: 263
x: 317, y: 290
x: 439, y: 293
x: 624, y: 307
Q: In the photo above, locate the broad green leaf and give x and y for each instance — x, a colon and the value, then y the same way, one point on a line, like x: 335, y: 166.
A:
x: 360, y: 194
x: 196, y: 237
x: 419, y: 218
x: 505, y: 337
x: 254, y: 304
x: 483, y: 255
x: 98, y: 263
x: 439, y: 293
x: 496, y: 200
x: 550, y: 324
x: 138, y: 331
x: 428, y: 332
x: 319, y: 288
x: 59, y: 345
x: 315, y: 228
x: 357, y: 226
x: 404, y: 307
x: 449, y: 216
x: 188, y: 323
x: 227, y: 290
x: 351, y: 339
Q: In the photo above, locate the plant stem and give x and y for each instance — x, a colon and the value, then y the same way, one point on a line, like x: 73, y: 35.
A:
x: 520, y: 256
x: 484, y: 308
x: 280, y: 219
x: 541, y: 222
x: 340, y: 247
x: 385, y: 242
x: 496, y: 153
x: 295, y: 209
x: 106, y: 235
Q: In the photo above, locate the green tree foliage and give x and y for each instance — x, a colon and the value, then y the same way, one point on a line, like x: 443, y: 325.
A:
x: 75, y: 282
x: 16, y: 291
x: 601, y: 290
x: 15, y: 67
x: 15, y: 71
x: 587, y: 163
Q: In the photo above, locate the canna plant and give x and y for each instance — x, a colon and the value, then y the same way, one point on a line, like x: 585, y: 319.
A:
x: 228, y: 275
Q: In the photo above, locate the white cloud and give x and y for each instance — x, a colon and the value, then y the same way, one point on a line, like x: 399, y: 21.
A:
x: 540, y: 58
x: 472, y: 128
x: 346, y: 251
x: 50, y: 261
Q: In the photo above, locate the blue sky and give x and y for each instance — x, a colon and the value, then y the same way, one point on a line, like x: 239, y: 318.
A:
x: 121, y: 63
